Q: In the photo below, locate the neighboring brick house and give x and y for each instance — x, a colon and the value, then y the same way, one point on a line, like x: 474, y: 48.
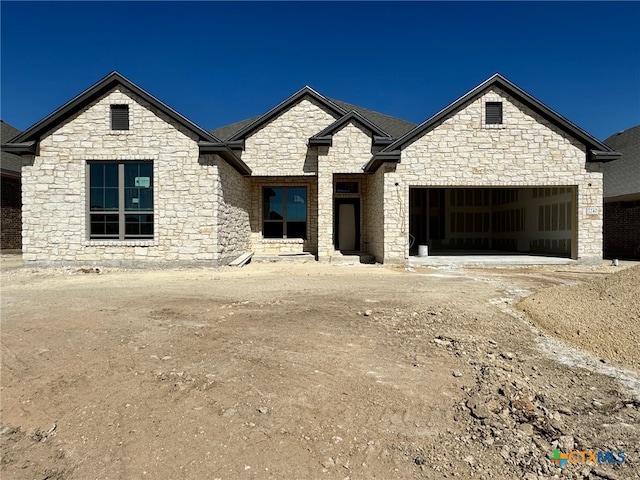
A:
x: 116, y: 177
x: 622, y: 197
x: 10, y: 191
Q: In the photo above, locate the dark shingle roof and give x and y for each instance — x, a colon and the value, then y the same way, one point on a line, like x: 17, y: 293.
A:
x: 225, y: 132
x: 10, y: 163
x: 622, y: 177
x: 393, y: 126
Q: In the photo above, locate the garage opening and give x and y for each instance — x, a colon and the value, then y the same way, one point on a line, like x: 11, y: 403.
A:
x: 459, y: 221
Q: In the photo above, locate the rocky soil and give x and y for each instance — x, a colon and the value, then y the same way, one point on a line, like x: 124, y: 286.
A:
x: 308, y: 371
x: 595, y: 315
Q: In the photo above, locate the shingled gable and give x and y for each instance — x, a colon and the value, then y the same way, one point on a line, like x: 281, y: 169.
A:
x: 27, y: 143
x: 324, y: 137
x: 306, y: 92
x: 597, y: 151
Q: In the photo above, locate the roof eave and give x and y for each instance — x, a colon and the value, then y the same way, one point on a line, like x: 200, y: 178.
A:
x: 380, y: 141
x: 224, y: 151
x: 379, y: 158
x: 603, y: 156
x: 89, y: 95
x: 501, y: 82
x: 22, y: 148
x: 326, y: 141
x: 282, y: 106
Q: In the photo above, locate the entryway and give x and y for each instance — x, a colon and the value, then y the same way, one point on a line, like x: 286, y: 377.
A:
x: 347, y: 224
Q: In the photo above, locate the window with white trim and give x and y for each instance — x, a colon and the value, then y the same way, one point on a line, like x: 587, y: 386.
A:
x: 120, y: 200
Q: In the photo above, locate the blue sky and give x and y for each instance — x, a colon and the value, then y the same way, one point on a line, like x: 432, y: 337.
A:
x: 218, y: 63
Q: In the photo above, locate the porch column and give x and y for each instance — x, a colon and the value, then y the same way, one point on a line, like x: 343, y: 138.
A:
x: 325, y: 207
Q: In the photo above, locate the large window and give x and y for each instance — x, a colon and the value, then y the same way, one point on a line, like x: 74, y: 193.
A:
x: 284, y: 212
x: 121, y: 200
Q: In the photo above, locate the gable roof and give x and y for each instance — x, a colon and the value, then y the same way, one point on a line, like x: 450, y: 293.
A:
x: 27, y: 141
x: 305, y: 92
x: 227, y: 131
x: 395, y: 127
x: 324, y: 136
x: 10, y: 164
x: 623, y: 177
x: 598, y: 151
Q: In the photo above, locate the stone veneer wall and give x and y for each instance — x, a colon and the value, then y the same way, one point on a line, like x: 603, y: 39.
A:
x: 274, y: 246
x: 55, y: 228
x: 281, y: 146
x: 375, y: 213
x: 351, y: 149
x: 526, y: 150
x: 234, y: 203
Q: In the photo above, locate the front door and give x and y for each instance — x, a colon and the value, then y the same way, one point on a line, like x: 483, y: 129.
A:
x: 347, y: 224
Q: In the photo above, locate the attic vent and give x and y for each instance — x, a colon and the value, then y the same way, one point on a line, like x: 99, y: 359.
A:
x: 119, y: 117
x: 493, y: 112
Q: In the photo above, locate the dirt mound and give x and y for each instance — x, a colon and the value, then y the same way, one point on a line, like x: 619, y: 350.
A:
x: 600, y: 316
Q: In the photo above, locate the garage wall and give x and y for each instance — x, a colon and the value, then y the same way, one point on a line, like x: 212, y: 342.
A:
x: 525, y: 151
x: 537, y: 220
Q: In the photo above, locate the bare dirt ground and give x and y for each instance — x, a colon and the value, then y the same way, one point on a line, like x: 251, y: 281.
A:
x: 290, y: 371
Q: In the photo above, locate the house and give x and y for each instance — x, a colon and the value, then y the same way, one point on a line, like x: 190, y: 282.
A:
x: 10, y: 193
x: 622, y: 197
x: 115, y: 176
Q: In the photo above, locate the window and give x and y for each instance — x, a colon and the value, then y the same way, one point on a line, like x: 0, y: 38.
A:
x: 121, y: 200
x: 119, y: 117
x: 347, y: 187
x: 284, y: 212
x: 493, y: 113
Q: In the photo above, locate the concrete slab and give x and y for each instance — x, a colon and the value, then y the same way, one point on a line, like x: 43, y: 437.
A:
x: 488, y: 260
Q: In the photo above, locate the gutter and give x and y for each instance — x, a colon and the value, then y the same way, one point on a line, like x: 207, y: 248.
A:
x: 380, y: 158
x: 25, y: 148
x: 222, y: 149
x: 603, y: 156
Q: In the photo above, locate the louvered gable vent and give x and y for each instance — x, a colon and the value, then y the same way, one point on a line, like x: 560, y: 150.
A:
x: 119, y: 117
x: 493, y: 113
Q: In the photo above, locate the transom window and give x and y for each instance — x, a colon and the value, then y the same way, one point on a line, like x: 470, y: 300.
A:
x: 347, y: 187
x: 284, y: 212
x: 121, y: 200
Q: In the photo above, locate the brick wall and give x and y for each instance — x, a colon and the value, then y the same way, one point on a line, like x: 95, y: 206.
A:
x: 11, y: 227
x: 622, y: 229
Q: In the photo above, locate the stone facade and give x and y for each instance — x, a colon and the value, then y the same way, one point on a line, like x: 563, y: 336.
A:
x: 525, y: 151
x: 280, y: 148
x: 206, y: 212
x: 350, y: 150
x: 275, y: 246
x: 190, y: 205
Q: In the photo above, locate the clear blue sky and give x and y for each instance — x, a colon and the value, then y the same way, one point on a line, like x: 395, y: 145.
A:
x: 218, y: 63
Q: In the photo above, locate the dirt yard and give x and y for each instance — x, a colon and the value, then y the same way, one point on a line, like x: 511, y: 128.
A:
x: 305, y: 371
